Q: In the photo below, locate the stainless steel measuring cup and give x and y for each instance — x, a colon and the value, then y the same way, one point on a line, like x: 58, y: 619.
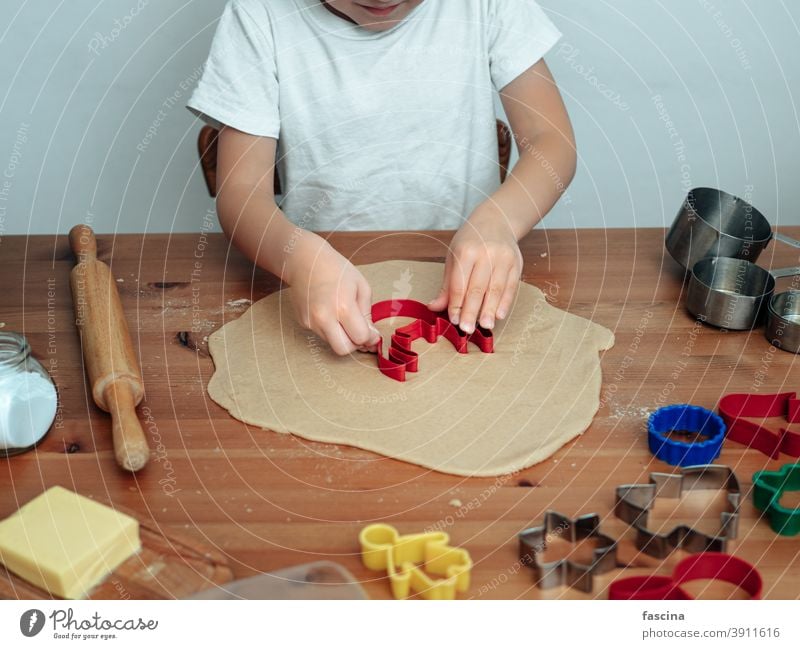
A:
x: 731, y: 293
x: 783, y: 321
x: 713, y: 223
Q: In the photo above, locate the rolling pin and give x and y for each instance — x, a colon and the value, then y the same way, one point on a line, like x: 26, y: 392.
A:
x: 108, y: 354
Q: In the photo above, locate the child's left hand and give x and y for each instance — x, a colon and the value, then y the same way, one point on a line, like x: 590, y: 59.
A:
x: 481, y: 272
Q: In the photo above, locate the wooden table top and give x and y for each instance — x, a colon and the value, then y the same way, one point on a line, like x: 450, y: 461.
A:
x: 268, y: 501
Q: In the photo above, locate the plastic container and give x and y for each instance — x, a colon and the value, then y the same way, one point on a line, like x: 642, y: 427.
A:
x: 318, y: 580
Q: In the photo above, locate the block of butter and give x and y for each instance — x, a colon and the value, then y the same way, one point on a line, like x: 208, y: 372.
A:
x: 66, y: 543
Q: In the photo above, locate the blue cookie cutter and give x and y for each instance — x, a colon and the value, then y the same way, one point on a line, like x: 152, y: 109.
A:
x: 693, y: 419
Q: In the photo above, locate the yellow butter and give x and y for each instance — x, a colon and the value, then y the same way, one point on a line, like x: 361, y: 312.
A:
x: 65, y: 543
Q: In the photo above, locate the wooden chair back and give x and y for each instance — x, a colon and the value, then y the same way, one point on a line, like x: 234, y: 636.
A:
x: 207, y: 149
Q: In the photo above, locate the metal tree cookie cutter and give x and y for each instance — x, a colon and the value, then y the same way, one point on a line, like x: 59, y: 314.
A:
x: 563, y: 572
x: 735, y: 407
x: 768, y: 489
x: 706, y: 565
x: 383, y: 548
x: 633, y: 504
x: 429, y: 325
x: 692, y: 419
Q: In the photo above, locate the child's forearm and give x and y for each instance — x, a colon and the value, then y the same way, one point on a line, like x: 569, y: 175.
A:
x: 329, y: 295
x: 255, y: 224
x: 545, y: 169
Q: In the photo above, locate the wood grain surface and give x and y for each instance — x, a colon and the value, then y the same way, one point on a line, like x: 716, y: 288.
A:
x: 267, y: 501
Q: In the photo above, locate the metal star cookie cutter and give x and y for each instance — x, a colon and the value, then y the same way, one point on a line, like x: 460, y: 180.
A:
x: 429, y: 325
x: 564, y: 572
x: 633, y: 504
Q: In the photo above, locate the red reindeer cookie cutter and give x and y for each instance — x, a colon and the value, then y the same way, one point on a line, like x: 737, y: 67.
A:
x: 734, y: 408
x: 429, y: 325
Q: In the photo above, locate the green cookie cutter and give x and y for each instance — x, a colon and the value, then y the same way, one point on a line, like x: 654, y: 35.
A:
x: 768, y: 489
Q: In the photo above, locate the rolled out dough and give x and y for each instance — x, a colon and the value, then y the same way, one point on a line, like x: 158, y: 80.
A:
x: 471, y: 414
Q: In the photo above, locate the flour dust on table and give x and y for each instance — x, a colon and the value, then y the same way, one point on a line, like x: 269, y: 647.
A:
x: 470, y: 414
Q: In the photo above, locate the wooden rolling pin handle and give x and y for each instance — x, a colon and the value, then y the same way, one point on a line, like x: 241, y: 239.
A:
x: 130, y: 443
x: 83, y: 243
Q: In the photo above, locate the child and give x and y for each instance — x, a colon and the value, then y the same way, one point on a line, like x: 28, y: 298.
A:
x: 379, y: 115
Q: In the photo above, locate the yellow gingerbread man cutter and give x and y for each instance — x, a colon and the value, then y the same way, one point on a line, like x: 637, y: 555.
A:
x: 383, y: 548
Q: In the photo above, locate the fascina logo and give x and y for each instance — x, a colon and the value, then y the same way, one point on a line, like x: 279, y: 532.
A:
x: 31, y: 622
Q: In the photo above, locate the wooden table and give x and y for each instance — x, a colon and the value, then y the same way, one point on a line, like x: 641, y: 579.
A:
x: 269, y: 501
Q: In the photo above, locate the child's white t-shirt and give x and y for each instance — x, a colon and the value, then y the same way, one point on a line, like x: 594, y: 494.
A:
x: 390, y: 130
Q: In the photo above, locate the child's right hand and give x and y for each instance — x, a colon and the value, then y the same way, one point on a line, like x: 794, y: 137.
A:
x: 330, y: 296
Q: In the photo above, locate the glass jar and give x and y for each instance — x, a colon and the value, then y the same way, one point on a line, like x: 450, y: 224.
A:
x: 28, y: 398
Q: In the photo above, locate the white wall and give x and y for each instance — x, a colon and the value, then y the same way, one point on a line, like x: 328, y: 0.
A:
x: 79, y: 93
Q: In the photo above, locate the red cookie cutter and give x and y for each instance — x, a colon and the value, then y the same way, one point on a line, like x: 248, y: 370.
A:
x: 735, y: 407
x: 428, y: 325
x: 706, y: 565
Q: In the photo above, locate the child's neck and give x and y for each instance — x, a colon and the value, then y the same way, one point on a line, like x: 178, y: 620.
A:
x: 338, y: 13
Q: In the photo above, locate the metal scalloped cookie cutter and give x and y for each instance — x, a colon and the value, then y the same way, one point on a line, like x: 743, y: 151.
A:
x: 634, y: 502
x: 384, y: 548
x: 563, y: 572
x: 430, y: 325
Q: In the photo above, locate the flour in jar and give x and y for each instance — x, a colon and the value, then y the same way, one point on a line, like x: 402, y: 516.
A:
x: 28, y: 403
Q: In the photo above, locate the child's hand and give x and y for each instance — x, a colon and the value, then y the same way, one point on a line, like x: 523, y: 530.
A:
x: 331, y: 297
x: 481, y: 273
